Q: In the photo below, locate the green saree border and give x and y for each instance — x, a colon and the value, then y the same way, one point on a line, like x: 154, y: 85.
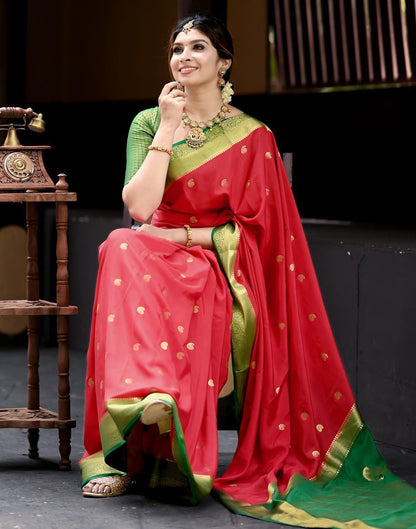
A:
x: 94, y: 466
x: 288, y: 514
x: 122, y: 414
x: 226, y: 240
x: 354, y: 478
x: 232, y: 130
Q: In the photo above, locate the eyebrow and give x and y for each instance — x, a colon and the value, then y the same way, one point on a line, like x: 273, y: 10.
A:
x: 192, y: 42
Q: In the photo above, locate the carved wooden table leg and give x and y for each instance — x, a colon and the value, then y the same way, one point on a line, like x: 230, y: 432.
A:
x: 64, y: 405
x: 32, y: 293
x: 62, y: 299
x: 65, y: 448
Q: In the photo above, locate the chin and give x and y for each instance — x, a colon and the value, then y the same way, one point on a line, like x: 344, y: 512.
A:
x: 192, y: 83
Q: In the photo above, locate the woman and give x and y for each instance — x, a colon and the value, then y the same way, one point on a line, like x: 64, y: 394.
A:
x: 223, y: 266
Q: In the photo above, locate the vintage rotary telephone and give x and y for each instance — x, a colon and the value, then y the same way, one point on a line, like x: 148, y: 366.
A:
x: 21, y: 167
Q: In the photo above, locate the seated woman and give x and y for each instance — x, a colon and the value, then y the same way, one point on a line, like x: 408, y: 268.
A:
x: 223, y: 268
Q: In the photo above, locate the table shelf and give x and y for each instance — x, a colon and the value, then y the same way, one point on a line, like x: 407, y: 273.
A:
x: 40, y: 307
x: 25, y: 418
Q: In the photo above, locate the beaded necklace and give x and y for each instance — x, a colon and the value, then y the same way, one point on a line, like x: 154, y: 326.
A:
x: 196, y: 135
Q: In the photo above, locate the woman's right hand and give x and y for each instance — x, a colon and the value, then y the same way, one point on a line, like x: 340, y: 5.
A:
x: 171, y: 104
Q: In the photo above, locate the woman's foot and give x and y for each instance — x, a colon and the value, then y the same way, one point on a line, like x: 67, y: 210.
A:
x: 160, y: 413
x: 106, y: 486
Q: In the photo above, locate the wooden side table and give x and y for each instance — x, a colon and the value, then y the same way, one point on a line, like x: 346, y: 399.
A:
x: 33, y: 416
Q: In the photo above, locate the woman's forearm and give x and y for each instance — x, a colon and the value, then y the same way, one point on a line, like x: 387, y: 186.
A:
x: 143, y: 194
x: 198, y: 236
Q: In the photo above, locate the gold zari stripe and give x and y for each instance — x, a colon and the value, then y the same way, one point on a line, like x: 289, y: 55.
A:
x: 288, y: 514
x: 336, y: 453
x: 226, y: 239
x: 186, y: 159
x: 340, y: 446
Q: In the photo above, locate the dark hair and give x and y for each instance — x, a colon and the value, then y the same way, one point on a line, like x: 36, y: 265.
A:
x: 215, y: 30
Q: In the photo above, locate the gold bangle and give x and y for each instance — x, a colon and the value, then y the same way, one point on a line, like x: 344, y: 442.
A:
x: 160, y: 149
x: 188, y: 235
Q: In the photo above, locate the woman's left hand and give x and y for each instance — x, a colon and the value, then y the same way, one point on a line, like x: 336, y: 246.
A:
x: 177, y: 235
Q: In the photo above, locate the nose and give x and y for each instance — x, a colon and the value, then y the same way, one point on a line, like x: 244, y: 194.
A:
x: 184, y: 55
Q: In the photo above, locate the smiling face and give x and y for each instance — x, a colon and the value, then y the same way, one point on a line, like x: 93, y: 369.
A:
x: 194, y: 60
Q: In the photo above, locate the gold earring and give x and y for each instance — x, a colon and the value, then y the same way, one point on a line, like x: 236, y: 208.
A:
x: 221, y: 74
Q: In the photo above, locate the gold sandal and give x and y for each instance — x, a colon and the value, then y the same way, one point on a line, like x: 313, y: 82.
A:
x: 117, y: 484
x: 159, y: 412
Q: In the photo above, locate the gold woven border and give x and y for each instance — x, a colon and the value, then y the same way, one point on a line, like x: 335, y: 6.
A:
x: 226, y: 239
x: 186, y: 159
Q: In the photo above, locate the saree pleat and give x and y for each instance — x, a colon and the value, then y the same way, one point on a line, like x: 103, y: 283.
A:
x: 166, y: 318
x: 151, y: 335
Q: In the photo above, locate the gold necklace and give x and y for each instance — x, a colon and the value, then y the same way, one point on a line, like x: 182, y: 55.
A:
x: 196, y: 135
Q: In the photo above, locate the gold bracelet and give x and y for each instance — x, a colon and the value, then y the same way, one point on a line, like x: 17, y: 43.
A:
x: 160, y: 149
x: 188, y: 235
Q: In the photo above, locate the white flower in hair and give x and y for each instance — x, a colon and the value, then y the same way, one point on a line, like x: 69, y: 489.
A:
x: 227, y: 92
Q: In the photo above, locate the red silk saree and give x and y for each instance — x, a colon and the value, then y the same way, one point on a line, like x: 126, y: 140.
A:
x: 165, y: 320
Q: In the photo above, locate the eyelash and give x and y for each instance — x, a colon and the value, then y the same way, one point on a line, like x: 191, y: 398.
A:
x: 198, y: 47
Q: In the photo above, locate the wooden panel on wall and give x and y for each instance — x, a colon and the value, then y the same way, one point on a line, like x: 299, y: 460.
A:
x: 3, y: 56
x: 118, y: 52
x: 12, y: 274
x: 247, y: 22
x: 79, y: 52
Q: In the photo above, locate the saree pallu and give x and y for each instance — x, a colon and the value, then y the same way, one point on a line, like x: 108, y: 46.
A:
x: 161, y: 326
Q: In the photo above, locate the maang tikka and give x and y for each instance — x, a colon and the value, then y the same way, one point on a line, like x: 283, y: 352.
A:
x: 188, y: 26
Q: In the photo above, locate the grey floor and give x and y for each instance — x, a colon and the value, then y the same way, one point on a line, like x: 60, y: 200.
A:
x: 33, y: 493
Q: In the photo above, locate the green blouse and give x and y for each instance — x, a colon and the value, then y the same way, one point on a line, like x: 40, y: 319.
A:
x: 142, y: 131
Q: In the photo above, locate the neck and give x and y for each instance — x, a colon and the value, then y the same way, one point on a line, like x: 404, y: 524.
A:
x: 202, y: 104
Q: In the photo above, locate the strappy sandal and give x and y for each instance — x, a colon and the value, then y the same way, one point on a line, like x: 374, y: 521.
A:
x: 117, y: 484
x: 160, y: 413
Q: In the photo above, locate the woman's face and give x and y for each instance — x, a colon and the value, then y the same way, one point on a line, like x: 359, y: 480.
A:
x: 194, y: 60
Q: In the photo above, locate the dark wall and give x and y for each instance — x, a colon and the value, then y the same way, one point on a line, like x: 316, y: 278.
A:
x: 353, y: 151
x: 366, y: 277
